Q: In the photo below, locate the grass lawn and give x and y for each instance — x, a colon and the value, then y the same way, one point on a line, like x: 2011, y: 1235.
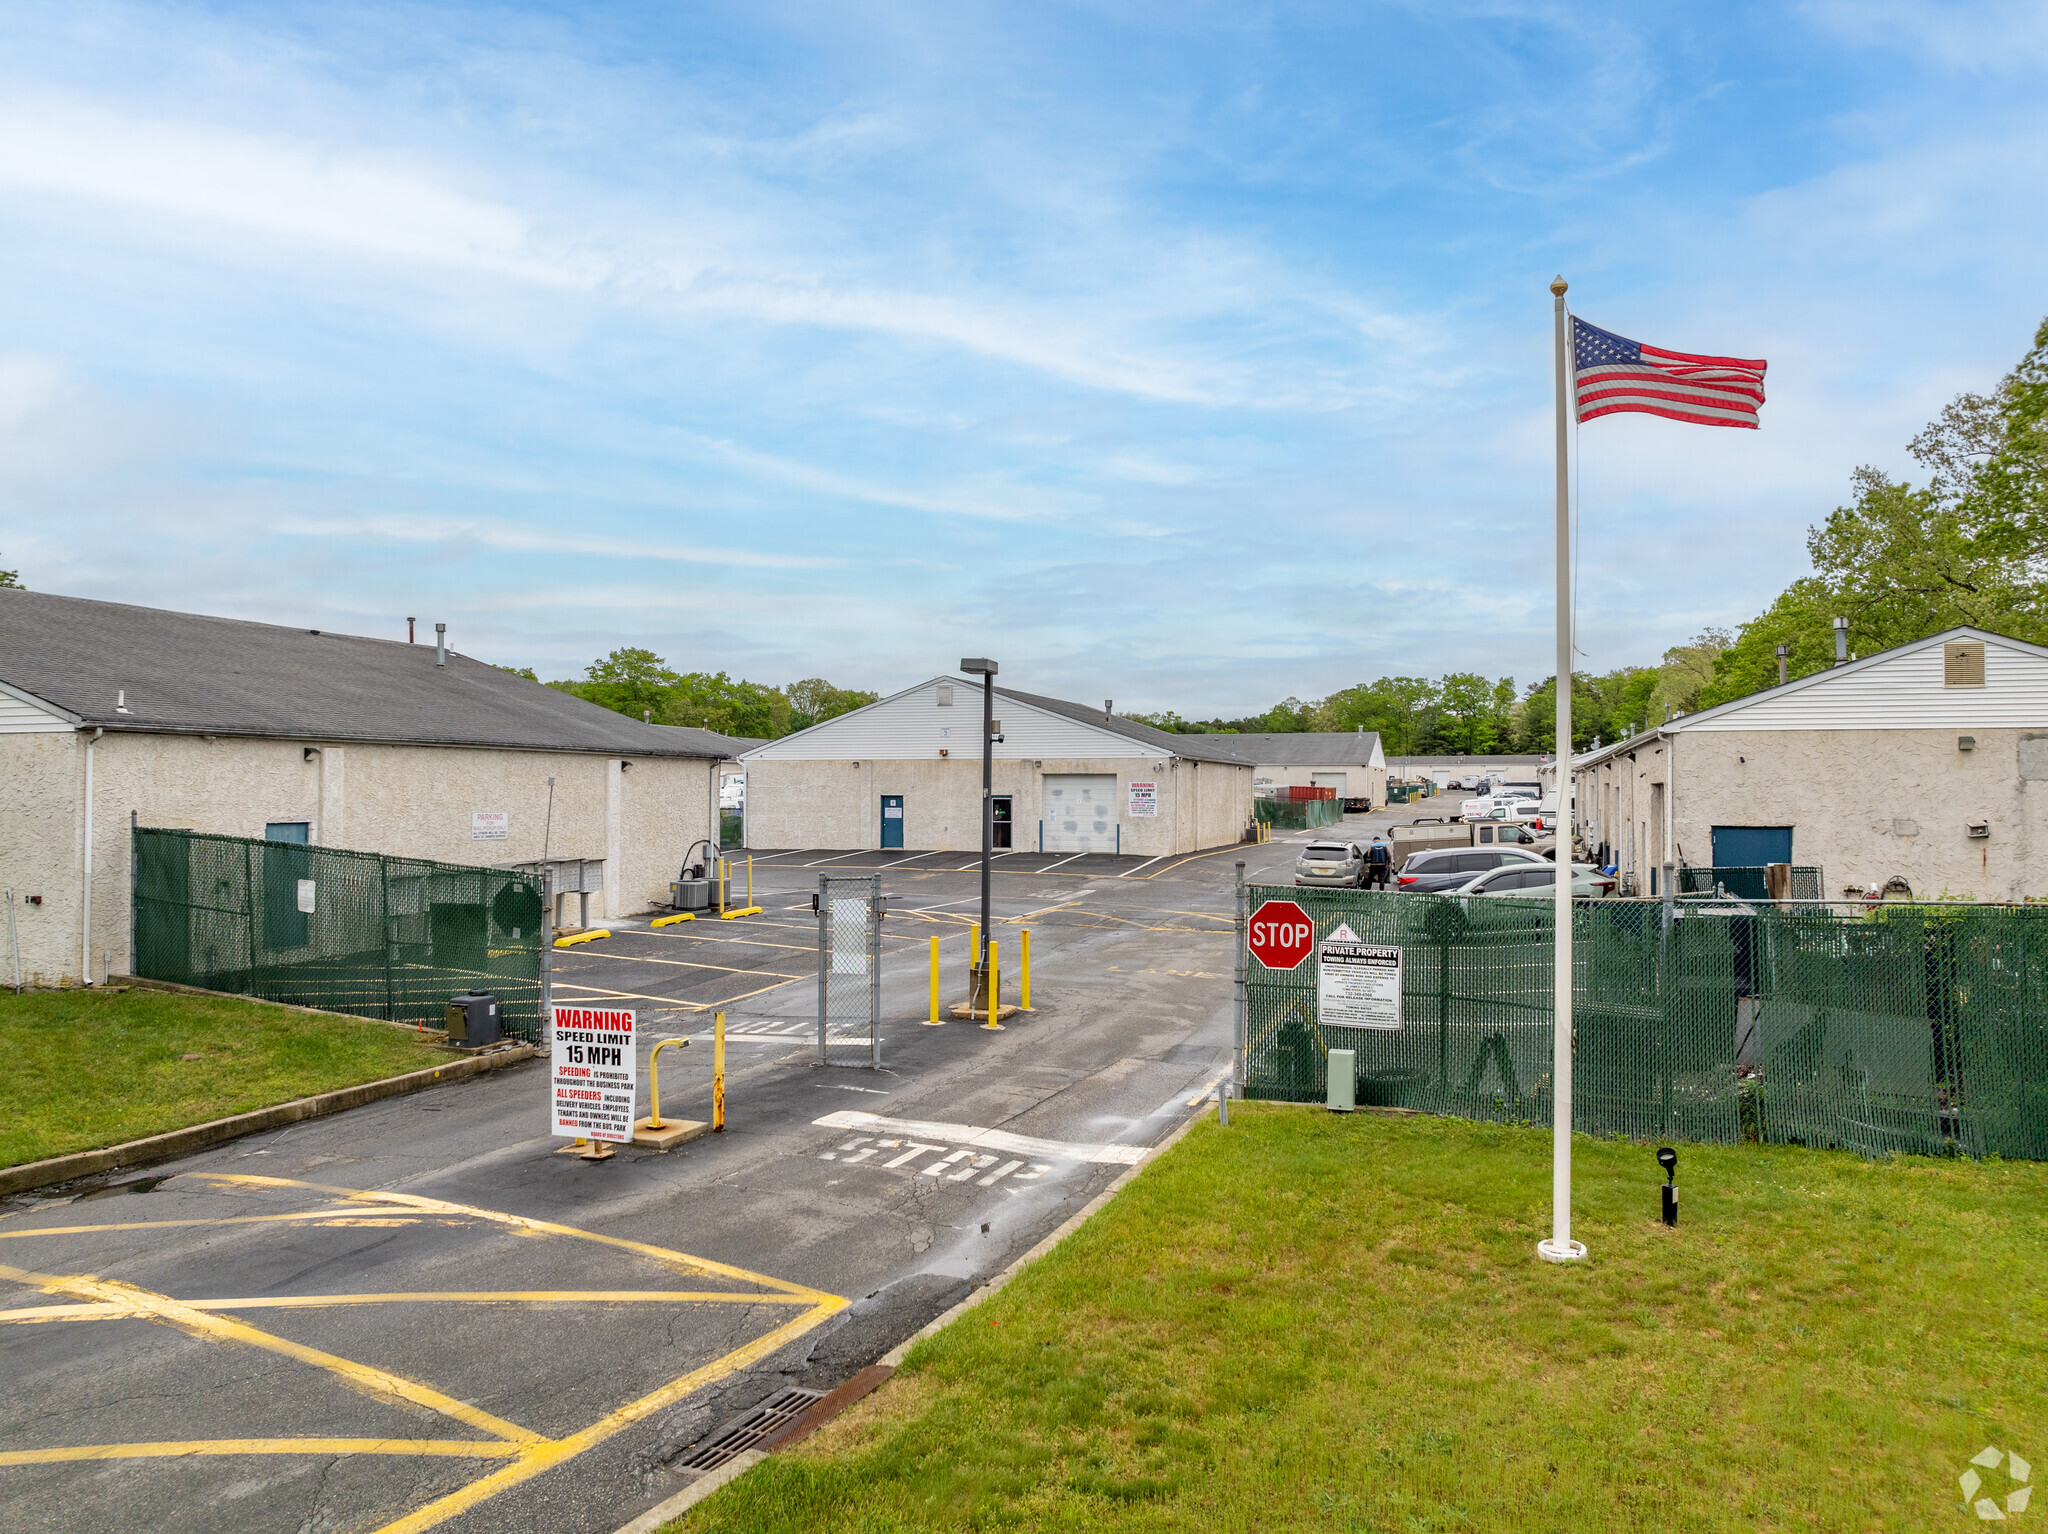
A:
x: 87, y: 1068
x: 1315, y: 1322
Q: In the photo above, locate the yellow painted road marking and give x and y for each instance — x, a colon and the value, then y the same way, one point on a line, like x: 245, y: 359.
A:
x: 538, y: 1457
x: 681, y: 1261
x: 106, y: 1311
x: 379, y: 1384
x: 452, y: 1448
x: 530, y: 1453
x: 238, y: 1219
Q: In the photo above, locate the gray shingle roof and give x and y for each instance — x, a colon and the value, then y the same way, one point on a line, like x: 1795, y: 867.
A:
x: 1199, y: 748
x: 189, y: 674
x: 1307, y: 749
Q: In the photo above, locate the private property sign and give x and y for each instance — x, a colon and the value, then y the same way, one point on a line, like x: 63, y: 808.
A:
x: 594, y: 1074
x: 1280, y: 935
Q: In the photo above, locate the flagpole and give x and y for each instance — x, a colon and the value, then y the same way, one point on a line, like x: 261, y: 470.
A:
x: 1560, y: 1247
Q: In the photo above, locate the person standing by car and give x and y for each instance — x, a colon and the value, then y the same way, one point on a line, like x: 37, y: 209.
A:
x: 1378, y: 862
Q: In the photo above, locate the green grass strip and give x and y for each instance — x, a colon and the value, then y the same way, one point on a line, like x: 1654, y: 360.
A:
x: 1340, y: 1324
x: 87, y: 1068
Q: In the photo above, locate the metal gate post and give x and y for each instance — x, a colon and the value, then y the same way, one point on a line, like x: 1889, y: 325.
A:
x: 824, y: 904
x: 1241, y: 1022
x: 875, y: 975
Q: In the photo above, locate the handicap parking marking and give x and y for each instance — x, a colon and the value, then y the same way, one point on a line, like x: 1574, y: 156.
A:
x: 988, y: 1139
x: 519, y: 1453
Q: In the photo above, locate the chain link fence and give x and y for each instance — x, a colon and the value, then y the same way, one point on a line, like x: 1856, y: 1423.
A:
x: 850, y: 969
x: 1898, y: 1028
x: 1748, y: 882
x: 354, y: 932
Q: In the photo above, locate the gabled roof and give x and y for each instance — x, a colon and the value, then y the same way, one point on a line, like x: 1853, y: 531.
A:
x: 1200, y: 748
x: 185, y: 673
x: 1308, y: 748
x: 1801, y: 691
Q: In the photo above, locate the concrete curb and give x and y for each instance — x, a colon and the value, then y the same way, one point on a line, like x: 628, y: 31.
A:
x: 895, y: 1356
x: 694, y: 1493
x: 653, y: 1519
x: 198, y: 1137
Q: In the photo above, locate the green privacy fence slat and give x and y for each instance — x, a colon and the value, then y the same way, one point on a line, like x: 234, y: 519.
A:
x: 1907, y: 1028
x: 1298, y: 814
x: 387, y: 937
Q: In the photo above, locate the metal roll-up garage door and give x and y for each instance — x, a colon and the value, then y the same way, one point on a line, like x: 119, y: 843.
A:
x: 1079, y: 813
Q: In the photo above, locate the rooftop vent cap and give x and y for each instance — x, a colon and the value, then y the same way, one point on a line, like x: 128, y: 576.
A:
x: 440, y: 644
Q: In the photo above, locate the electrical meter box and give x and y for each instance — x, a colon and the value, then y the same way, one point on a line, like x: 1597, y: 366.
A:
x: 473, y: 1019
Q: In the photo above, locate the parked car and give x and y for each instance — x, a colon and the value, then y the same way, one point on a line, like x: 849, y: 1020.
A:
x: 1494, y: 807
x: 1540, y: 882
x: 1331, y: 863
x: 1446, y: 869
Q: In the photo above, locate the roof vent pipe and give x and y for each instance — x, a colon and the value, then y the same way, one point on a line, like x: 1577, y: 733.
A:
x: 1108, y: 708
x: 440, y: 644
x: 408, y: 630
x: 1783, y: 651
x: 1841, y: 641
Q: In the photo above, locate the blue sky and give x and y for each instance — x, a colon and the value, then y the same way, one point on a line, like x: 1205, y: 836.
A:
x: 1189, y: 354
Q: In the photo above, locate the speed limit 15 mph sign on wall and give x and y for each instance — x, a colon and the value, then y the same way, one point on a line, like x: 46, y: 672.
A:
x: 593, y: 1074
x: 1280, y: 935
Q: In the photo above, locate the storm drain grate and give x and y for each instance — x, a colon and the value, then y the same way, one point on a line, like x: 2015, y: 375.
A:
x: 750, y: 1428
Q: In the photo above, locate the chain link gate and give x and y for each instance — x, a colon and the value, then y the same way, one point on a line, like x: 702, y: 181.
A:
x: 849, y: 969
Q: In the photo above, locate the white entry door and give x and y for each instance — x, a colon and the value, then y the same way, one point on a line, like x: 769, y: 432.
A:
x: 1079, y: 812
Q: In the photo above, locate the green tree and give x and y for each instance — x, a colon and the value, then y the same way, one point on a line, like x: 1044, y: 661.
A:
x: 1900, y: 563
x: 10, y: 580
x: 525, y: 671
x: 1687, y: 670
x: 1403, y: 710
x: 815, y: 700
x: 1468, y: 720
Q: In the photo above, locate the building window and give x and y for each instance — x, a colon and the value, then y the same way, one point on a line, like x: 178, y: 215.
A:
x: 945, y: 695
x: 299, y: 831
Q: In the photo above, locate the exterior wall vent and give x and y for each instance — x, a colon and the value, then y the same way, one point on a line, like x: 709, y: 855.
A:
x: 1962, y: 663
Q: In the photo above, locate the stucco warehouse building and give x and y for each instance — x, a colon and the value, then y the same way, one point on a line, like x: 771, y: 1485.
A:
x: 1352, y: 764
x: 905, y: 773
x: 109, y: 712
x: 1918, y: 762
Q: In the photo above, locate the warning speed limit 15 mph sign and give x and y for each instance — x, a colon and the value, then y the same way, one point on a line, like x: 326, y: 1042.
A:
x: 594, y: 1074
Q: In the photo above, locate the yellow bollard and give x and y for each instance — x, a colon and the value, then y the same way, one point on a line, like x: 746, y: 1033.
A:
x: 718, y: 1075
x: 995, y: 989
x: 1024, y: 1001
x: 750, y: 879
x: 934, y: 1019
x: 654, y: 1081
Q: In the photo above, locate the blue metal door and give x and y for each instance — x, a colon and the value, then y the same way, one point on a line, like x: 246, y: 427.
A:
x: 1751, y: 846
x: 892, y: 822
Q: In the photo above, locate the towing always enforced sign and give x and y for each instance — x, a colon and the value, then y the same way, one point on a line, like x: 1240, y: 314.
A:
x: 593, y: 1077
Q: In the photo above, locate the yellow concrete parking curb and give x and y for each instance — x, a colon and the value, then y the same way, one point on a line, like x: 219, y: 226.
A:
x: 582, y: 937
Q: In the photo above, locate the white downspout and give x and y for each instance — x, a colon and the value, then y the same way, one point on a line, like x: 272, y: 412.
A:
x: 1670, y: 796
x: 85, y: 917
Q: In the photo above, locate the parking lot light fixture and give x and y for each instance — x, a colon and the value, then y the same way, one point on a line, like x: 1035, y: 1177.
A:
x: 985, y: 668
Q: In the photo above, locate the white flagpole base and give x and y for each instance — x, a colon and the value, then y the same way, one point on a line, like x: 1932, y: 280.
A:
x: 1550, y: 1251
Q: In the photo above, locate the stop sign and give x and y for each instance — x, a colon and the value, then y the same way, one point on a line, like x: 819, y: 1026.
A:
x: 1280, y: 935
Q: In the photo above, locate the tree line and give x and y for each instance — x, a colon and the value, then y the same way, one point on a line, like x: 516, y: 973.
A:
x: 639, y: 683
x: 1969, y: 547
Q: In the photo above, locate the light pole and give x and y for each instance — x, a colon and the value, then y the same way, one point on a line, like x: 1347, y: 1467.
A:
x: 978, y: 998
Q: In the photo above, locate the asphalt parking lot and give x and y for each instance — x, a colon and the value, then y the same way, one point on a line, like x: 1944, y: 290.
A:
x: 419, y: 1315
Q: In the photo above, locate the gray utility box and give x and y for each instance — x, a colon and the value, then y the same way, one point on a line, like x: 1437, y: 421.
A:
x: 690, y: 894
x: 473, y: 1019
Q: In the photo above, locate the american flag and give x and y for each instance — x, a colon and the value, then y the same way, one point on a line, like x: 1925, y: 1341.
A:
x: 1612, y: 373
